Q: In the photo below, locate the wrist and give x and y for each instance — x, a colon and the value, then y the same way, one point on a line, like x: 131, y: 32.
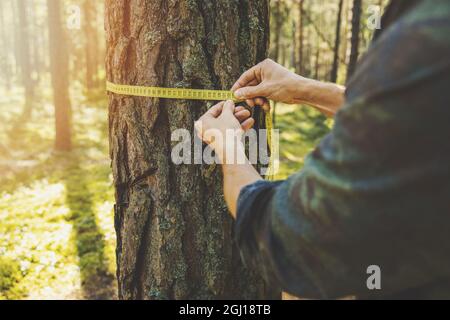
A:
x: 239, y: 165
x: 300, y: 89
x: 232, y: 152
x: 326, y: 96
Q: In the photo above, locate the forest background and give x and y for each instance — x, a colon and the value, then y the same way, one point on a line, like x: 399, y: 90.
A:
x: 57, y: 238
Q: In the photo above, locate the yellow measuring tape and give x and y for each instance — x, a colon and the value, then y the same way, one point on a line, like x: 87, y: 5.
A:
x: 171, y: 93
x: 187, y: 94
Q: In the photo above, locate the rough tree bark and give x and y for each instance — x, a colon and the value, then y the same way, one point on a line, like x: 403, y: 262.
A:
x: 59, y: 69
x: 356, y: 27
x: 337, y: 43
x: 173, y: 229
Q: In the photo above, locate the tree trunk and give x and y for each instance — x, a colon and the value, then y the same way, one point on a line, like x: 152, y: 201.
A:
x: 24, y: 57
x: 337, y: 43
x: 278, y: 25
x: 317, y: 64
x: 34, y: 47
x: 91, y: 46
x: 99, y: 53
x: 300, y: 38
x: 174, y: 233
x: 278, y: 17
x: 5, y: 49
x: 59, y: 69
x: 356, y: 26
x: 346, y: 32
x: 14, y: 39
x: 293, y: 62
x: 307, y: 63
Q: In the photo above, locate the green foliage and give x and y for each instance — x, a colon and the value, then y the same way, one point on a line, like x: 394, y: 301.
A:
x: 301, y: 129
x: 318, y: 25
x: 10, y: 276
x: 56, y: 220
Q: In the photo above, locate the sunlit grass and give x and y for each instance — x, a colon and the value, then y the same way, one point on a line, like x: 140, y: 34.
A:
x: 38, y: 233
x: 35, y: 234
x: 57, y: 235
x: 301, y: 129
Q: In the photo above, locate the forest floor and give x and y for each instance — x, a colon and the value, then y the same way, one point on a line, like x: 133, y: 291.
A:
x: 57, y: 237
x: 56, y: 223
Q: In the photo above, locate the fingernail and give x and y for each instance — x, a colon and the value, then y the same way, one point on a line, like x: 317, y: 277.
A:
x: 238, y: 93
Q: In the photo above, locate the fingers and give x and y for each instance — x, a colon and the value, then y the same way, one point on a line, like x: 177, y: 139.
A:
x: 249, y: 76
x: 212, y: 113
x: 222, y: 107
x: 250, y: 92
x: 239, y: 109
x: 215, y: 111
x: 250, y: 103
x: 248, y: 124
x: 244, y: 117
x: 266, y: 106
x: 228, y: 107
x: 263, y: 103
x: 198, y: 125
x: 259, y: 101
x: 242, y: 114
x: 253, y: 83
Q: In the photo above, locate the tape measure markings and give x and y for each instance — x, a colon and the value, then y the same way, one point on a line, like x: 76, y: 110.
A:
x: 171, y: 93
x: 188, y: 94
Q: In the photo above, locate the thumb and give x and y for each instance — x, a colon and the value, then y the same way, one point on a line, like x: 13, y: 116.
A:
x: 250, y: 92
x: 228, y: 107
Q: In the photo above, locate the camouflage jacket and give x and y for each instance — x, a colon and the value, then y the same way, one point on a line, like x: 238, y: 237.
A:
x: 376, y: 191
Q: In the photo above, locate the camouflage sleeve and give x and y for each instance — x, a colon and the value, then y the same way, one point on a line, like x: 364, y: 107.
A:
x: 376, y: 190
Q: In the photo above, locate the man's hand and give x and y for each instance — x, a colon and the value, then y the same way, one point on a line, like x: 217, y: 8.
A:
x: 268, y: 80
x: 212, y: 127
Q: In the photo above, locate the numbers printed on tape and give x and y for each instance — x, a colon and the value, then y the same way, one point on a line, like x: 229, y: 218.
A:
x: 171, y: 93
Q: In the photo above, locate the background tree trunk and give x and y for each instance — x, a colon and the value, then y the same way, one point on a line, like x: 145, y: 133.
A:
x: 34, y: 46
x: 356, y: 26
x: 345, y: 40
x: 317, y: 63
x: 337, y: 43
x: 59, y: 69
x: 300, y: 37
x: 24, y: 56
x: 91, y: 46
x: 278, y: 24
x: 14, y: 38
x: 5, y: 47
x: 173, y: 228
x: 293, y: 62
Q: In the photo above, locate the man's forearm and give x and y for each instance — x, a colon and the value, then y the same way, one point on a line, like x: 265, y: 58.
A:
x: 327, y: 97
x: 236, y: 177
